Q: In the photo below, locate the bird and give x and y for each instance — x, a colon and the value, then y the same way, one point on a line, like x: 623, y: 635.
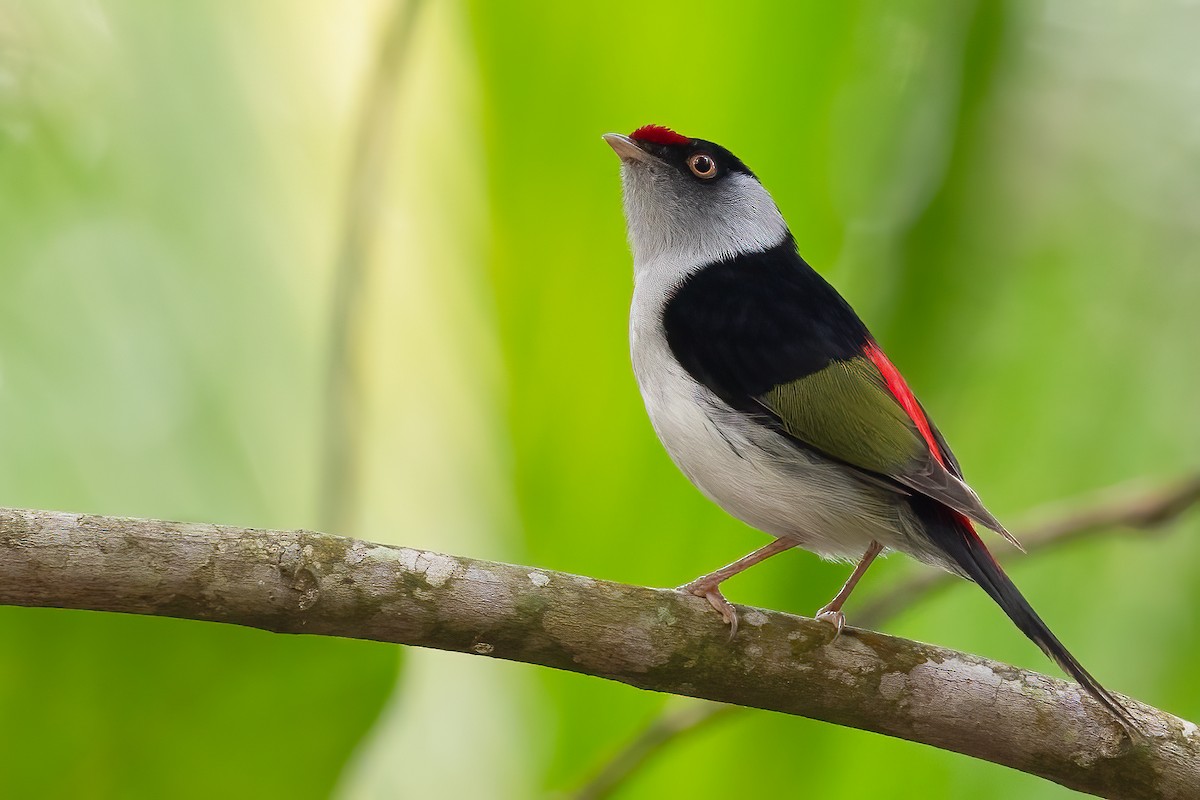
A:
x: 771, y: 395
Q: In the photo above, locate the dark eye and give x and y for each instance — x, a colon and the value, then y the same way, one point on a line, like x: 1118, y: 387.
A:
x: 702, y: 166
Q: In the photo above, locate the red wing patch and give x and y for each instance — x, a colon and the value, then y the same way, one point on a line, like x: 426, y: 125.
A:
x: 658, y: 134
x: 899, y: 389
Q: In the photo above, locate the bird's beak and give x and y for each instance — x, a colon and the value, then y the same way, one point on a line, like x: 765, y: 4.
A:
x: 626, y: 148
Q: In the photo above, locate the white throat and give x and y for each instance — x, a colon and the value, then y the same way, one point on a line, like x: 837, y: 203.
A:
x: 672, y: 240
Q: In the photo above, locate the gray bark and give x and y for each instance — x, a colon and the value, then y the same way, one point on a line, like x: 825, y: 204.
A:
x: 658, y: 639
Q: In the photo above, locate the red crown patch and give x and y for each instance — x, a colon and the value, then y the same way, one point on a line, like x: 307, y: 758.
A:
x: 658, y: 134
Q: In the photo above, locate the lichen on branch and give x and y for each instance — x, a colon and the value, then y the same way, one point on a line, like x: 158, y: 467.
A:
x: 656, y: 639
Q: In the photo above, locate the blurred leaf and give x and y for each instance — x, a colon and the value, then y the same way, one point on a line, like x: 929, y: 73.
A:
x: 155, y: 361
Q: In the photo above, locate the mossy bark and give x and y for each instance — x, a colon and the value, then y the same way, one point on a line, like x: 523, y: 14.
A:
x: 657, y: 639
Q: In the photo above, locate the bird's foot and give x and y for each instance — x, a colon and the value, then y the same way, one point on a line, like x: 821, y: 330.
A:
x: 834, y: 617
x: 712, y: 594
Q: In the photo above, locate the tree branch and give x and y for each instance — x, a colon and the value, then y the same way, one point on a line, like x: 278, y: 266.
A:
x: 658, y: 639
x: 1119, y: 509
x: 663, y: 730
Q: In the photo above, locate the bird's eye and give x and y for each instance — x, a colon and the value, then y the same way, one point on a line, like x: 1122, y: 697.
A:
x: 702, y: 166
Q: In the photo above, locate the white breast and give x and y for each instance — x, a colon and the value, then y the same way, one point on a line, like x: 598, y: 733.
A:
x: 752, y: 472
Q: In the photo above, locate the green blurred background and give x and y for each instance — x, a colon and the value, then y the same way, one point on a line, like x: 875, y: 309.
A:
x: 1006, y: 191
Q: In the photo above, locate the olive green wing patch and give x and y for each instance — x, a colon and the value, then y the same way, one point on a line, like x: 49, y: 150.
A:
x: 847, y: 412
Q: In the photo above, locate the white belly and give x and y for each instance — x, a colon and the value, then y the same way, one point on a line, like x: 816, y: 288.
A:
x: 752, y: 472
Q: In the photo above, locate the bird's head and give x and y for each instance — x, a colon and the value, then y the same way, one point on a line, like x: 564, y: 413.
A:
x: 690, y: 201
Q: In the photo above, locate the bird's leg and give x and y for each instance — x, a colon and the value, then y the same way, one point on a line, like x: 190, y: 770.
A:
x: 706, y: 586
x: 832, y: 613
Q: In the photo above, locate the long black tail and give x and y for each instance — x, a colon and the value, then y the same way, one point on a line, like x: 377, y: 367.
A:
x: 957, y: 539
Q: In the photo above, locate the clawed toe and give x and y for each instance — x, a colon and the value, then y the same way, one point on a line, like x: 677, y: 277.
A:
x: 717, y: 600
x: 833, y: 617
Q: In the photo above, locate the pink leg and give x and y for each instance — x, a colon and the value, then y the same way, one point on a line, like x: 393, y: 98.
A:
x: 706, y: 586
x: 832, y: 613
